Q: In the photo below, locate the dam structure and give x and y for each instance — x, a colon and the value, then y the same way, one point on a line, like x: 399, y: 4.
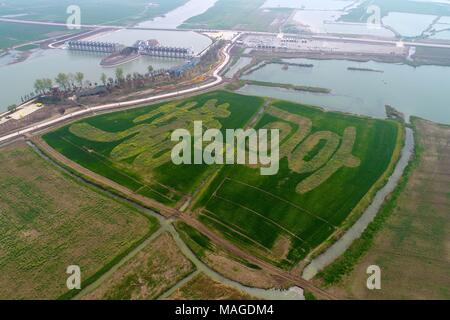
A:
x: 141, y: 47
x: 152, y: 48
x: 94, y: 46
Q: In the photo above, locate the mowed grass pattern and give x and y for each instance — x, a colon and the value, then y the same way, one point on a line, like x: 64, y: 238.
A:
x: 167, y: 183
x: 49, y: 221
x: 260, y: 212
x: 270, y: 216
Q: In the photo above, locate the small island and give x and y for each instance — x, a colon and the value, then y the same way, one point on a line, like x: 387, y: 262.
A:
x: 364, y: 69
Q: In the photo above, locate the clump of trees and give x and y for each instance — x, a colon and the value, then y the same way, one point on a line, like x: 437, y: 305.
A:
x: 12, y: 108
x: 41, y: 86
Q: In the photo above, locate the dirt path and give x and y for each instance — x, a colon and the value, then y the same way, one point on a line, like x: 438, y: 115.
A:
x: 102, y: 181
x: 224, y: 244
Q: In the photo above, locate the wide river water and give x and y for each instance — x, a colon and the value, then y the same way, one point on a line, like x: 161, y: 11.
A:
x: 18, y: 79
x: 422, y: 91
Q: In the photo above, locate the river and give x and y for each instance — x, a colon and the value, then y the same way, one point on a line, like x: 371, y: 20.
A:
x: 18, y: 79
x: 419, y: 91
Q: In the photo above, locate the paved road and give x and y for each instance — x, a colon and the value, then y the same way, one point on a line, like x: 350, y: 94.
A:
x: 86, y: 26
x: 218, y: 80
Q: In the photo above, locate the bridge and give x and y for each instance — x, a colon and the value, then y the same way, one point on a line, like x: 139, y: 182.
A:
x: 93, y: 46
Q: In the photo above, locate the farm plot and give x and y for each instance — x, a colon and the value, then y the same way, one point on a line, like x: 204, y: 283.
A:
x: 330, y: 166
x: 154, y: 270
x: 329, y: 163
x: 204, y: 288
x: 133, y: 148
x: 240, y: 15
x: 49, y: 221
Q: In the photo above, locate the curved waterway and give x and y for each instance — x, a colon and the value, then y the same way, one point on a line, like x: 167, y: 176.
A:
x: 176, y: 17
x: 421, y: 91
x: 338, y: 248
x: 294, y: 293
x: 239, y: 65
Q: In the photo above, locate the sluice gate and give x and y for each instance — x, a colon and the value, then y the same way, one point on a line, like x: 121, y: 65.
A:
x: 93, y: 46
x: 152, y: 48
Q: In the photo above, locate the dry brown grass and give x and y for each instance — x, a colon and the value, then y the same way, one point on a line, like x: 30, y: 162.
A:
x: 204, y: 288
x: 49, y: 221
x: 154, y: 270
x: 238, y: 272
x: 304, y: 128
x: 281, y: 247
x: 298, y: 164
x: 413, y: 249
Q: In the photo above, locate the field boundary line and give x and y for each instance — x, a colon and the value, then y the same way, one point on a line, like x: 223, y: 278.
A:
x: 101, y: 181
x: 279, y: 198
x: 262, y: 216
x: 235, y: 229
x: 215, y: 191
x: 100, y: 156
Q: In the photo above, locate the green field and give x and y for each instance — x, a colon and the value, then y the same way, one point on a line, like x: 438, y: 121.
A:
x: 92, y: 12
x: 133, y: 147
x: 50, y: 221
x: 146, y: 276
x: 12, y: 34
x: 239, y: 15
x: 329, y: 165
x: 360, y: 14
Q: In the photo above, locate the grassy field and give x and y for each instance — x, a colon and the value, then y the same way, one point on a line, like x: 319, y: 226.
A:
x: 329, y: 162
x: 204, y: 288
x: 49, y: 221
x: 360, y: 14
x: 240, y: 15
x: 154, y: 270
x: 409, y: 239
x: 92, y: 12
x: 12, y: 34
x: 133, y: 147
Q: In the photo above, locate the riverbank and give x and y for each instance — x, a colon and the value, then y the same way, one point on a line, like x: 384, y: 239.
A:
x: 166, y: 226
x: 339, y: 248
x: 241, y: 83
x: 364, y: 93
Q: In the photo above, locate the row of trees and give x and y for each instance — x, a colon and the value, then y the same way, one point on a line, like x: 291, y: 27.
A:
x: 63, y: 80
x: 70, y: 81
